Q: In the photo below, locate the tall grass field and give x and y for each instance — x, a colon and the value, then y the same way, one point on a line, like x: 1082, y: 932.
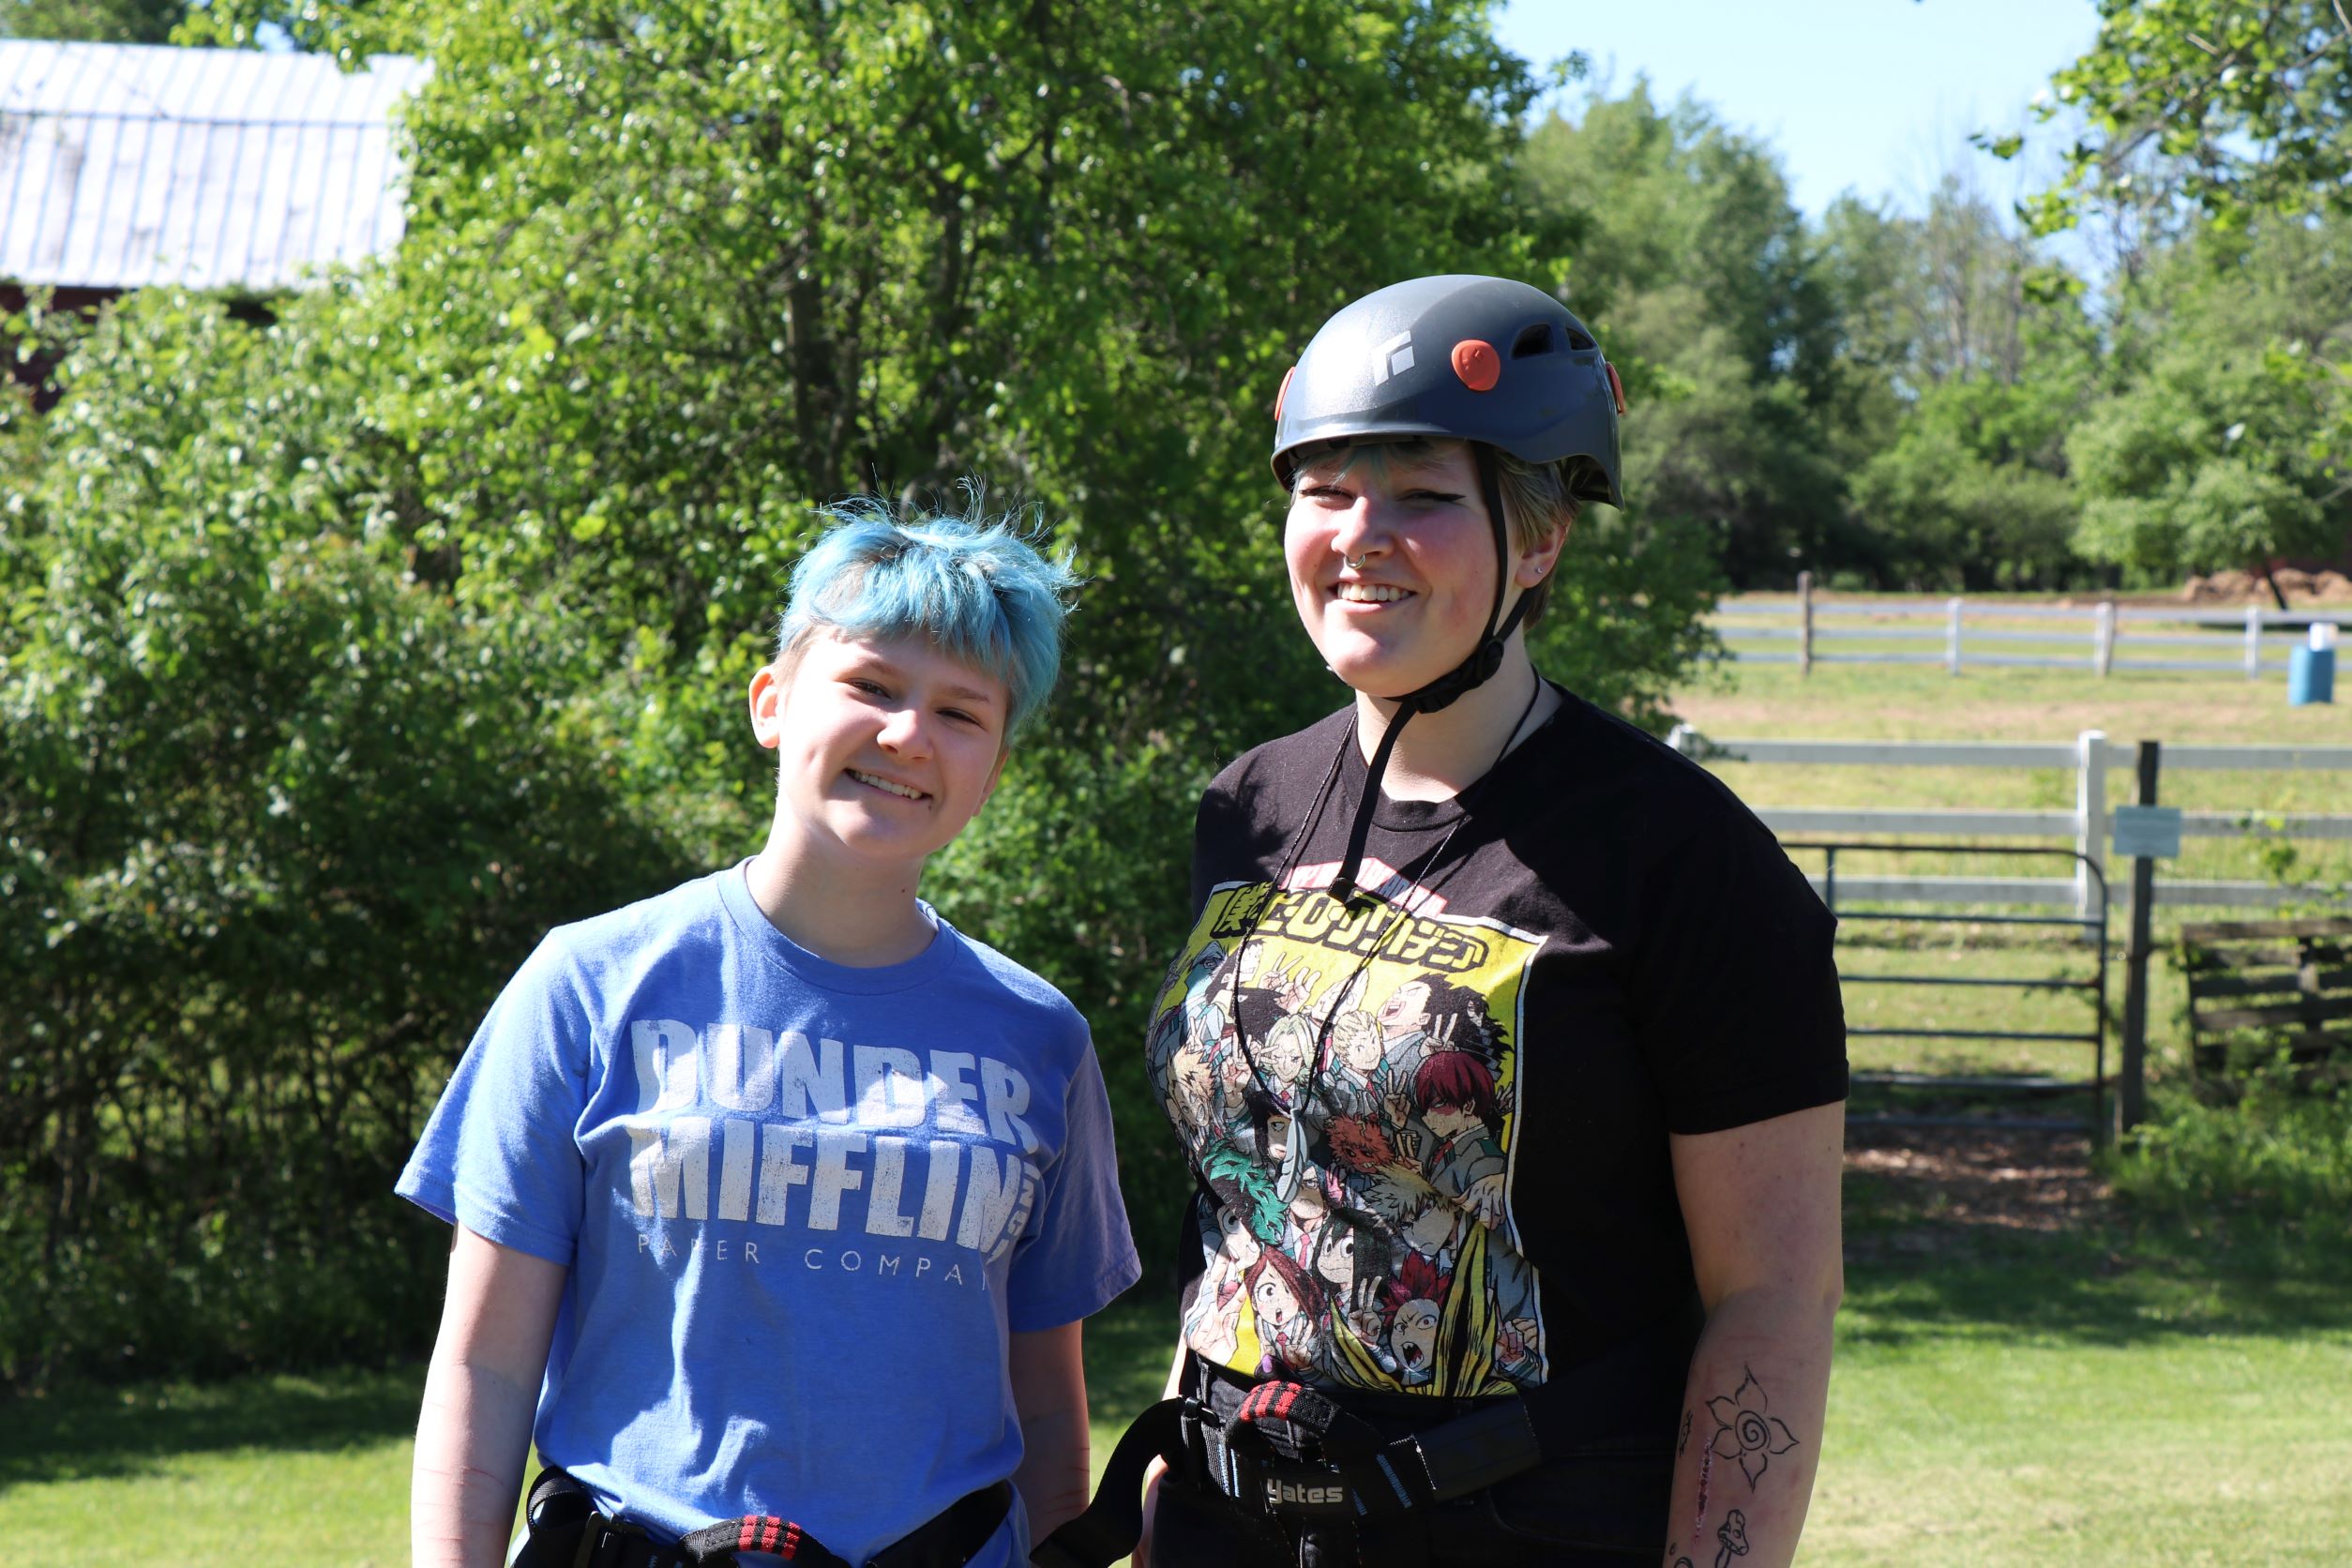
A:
x: 2153, y: 1369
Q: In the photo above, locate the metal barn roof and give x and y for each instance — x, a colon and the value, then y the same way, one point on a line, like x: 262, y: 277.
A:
x: 123, y: 165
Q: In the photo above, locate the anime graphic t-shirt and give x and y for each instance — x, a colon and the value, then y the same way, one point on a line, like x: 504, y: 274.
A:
x: 801, y: 1206
x: 1430, y: 1129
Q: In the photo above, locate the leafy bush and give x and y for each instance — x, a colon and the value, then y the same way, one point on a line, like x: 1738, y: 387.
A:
x: 2276, y: 1156
x: 276, y: 819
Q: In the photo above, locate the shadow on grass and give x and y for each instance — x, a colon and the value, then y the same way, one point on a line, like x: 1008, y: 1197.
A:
x: 101, y: 1433
x: 96, y: 1433
x: 2104, y: 1277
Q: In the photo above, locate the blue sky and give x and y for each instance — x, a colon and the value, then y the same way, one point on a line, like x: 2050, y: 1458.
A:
x: 1874, y: 95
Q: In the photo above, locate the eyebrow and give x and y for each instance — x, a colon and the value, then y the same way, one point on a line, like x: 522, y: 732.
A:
x: 867, y: 659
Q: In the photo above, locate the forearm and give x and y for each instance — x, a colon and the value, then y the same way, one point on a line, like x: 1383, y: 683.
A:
x: 1158, y: 1468
x: 1049, y: 1377
x: 473, y: 1433
x: 1751, y: 1431
x: 1053, y: 1470
x: 473, y: 1439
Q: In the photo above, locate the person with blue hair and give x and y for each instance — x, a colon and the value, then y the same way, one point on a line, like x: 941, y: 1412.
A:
x: 778, y: 1202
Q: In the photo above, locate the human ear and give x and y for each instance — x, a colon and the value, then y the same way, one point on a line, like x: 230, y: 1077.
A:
x: 1536, y: 562
x: 767, y: 706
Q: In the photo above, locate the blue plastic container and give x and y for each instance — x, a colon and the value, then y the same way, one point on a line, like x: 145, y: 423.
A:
x: 2310, y: 676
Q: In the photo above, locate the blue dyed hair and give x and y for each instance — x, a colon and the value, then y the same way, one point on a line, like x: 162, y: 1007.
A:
x: 977, y: 588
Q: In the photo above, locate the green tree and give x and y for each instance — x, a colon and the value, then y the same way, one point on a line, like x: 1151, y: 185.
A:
x: 2223, y: 441
x: 1694, y: 271
x: 2240, y: 106
x: 673, y: 274
x: 92, y: 21
x: 276, y: 819
x: 1976, y: 358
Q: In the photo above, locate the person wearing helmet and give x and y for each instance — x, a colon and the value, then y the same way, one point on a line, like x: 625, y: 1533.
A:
x: 1586, y: 1210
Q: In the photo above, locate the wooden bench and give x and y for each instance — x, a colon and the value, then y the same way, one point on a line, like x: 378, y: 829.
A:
x: 2259, y: 986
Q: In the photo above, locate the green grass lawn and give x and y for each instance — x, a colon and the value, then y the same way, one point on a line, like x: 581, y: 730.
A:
x: 256, y: 1471
x: 1993, y: 1405
x: 312, y: 1472
x: 2087, y: 1393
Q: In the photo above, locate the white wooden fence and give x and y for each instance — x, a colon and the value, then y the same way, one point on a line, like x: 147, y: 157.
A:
x: 2087, y: 825
x: 2101, y: 638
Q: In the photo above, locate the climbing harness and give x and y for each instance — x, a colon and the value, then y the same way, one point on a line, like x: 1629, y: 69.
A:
x: 567, y: 1531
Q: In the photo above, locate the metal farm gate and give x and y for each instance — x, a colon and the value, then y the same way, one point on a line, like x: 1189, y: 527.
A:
x: 2090, y: 931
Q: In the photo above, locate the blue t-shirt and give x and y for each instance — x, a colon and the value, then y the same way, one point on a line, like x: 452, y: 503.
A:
x: 801, y: 1206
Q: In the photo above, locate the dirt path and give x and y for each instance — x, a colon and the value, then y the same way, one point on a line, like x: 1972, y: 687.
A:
x: 2004, y: 1180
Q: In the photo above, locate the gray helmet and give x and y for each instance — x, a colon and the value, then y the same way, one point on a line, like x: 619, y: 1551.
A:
x: 1473, y: 358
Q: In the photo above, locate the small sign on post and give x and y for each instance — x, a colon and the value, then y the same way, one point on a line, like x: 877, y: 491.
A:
x: 2149, y: 831
x: 2146, y: 832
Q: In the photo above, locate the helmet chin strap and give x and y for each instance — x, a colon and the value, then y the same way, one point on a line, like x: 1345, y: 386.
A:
x: 1475, y: 671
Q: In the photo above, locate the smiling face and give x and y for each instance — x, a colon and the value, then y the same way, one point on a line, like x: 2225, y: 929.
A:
x: 885, y: 748
x: 1286, y: 1050
x: 1335, y: 1260
x: 1413, y: 517
x: 1404, y: 1009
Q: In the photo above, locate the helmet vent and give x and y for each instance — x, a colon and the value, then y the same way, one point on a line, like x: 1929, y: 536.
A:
x: 1532, y: 340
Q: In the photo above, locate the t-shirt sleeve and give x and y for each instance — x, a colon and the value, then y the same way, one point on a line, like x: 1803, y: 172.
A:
x: 1215, y: 821
x: 1734, y: 983
x: 498, y: 1156
x: 1077, y: 1255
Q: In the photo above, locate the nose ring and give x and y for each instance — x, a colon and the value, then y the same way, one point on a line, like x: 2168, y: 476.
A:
x: 1355, y: 562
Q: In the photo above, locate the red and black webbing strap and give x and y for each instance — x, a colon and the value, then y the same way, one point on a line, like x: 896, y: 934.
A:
x: 1335, y: 1432
x: 568, y: 1532
x: 759, y: 1533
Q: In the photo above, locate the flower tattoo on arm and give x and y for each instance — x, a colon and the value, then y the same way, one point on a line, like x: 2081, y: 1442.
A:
x: 1746, y: 1430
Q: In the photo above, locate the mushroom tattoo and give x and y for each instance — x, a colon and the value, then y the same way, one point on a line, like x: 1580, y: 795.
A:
x: 1746, y: 1430
x: 1734, y: 1536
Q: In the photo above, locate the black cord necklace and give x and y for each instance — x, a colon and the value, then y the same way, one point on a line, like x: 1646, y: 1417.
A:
x: 1296, y: 1100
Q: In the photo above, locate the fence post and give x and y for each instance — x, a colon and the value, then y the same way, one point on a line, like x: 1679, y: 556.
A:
x: 2253, y: 643
x: 2090, y: 816
x: 2133, y: 1108
x: 1952, y: 638
x: 2103, y: 639
x: 1804, y: 622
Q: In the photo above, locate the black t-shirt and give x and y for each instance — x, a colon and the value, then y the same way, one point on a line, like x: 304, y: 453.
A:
x: 1431, y: 1133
